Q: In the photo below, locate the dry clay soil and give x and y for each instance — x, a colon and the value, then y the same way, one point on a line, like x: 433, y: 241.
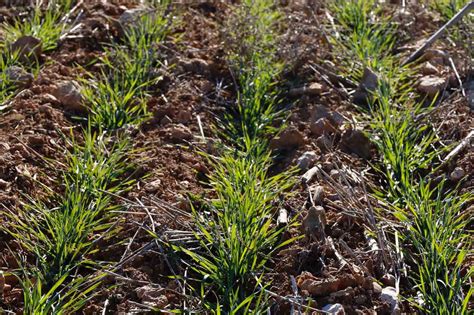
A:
x: 199, y: 84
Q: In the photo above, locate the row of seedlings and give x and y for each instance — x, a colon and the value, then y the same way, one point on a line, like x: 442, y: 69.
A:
x: 235, y: 230
x: 433, y: 220
x: 62, y: 233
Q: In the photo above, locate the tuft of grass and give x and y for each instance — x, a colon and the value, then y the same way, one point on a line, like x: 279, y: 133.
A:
x: 251, y: 36
x: 237, y: 236
x: 46, y: 25
x: 61, y: 237
x: 367, y: 37
x: 447, y: 8
x: 116, y: 97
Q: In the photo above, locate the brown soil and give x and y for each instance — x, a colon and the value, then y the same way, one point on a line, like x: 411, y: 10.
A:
x: 170, y: 170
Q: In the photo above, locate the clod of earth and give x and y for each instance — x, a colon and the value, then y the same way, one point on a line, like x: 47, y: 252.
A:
x: 334, y: 309
x: 307, y: 160
x: 152, y: 296
x: 19, y: 76
x: 431, y: 85
x: 367, y: 86
x: 290, y: 138
x: 69, y: 95
x: 355, y: 141
x: 322, y: 126
x: 196, y: 65
x: 179, y: 133
x: 28, y: 48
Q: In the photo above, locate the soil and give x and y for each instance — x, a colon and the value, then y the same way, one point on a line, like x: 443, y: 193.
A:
x: 171, y: 172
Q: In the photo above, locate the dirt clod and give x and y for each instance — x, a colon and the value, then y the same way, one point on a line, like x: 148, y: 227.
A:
x: 19, y: 76
x: 431, y: 85
x: 355, y: 141
x: 334, y: 309
x: 367, y: 86
x: 307, y: 160
x: 28, y: 48
x: 69, y: 95
x: 289, y: 139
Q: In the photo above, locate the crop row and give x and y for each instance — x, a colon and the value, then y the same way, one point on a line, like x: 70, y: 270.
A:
x: 59, y: 234
x: 435, y: 238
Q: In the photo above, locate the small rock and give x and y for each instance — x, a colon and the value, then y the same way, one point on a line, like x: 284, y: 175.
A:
x: 436, y: 56
x: 389, y: 295
x: 322, y: 126
x: 28, y: 48
x: 367, y: 85
x: 131, y: 16
x: 377, y: 288
x: 431, y: 85
x: 334, y: 309
x: 457, y: 174
x: 290, y: 138
x: 360, y: 299
x: 35, y: 141
x: 3, y: 184
x: 306, y: 160
x: 337, y: 119
x: 320, y: 111
x: 68, y: 94
x: 166, y: 120
x: 335, y: 174
x: 324, y: 143
x: 470, y: 93
x: 318, y: 195
x: 180, y: 133
x: 313, y: 89
x: 152, y: 296
x: 428, y: 69
x: 153, y: 186
x: 196, y: 65
x: 355, y: 141
x: 19, y: 76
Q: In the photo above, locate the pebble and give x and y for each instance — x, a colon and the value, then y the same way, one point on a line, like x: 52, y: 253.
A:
x: 19, y: 76
x: 28, y: 48
x: 377, y: 288
x: 68, y: 94
x: 324, y: 143
x: 334, y: 309
x: 355, y: 141
x: 431, y: 85
x: 389, y: 295
x: 367, y: 85
x: 428, y: 69
x: 307, y: 160
x: 322, y: 126
x: 3, y: 184
x: 290, y: 138
x: 457, y: 174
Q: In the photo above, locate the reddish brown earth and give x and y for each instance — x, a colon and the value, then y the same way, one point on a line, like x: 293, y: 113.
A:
x: 170, y: 170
